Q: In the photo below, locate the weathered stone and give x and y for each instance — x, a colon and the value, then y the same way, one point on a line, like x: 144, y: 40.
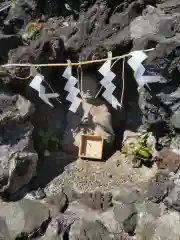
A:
x: 99, y: 13
x: 167, y: 159
x: 126, y: 214
x: 48, y: 47
x: 52, y: 231
x: 79, y: 211
x: 148, y: 212
x: 169, y: 7
x: 88, y: 231
x: 107, y: 25
x: 173, y: 199
x: 57, y: 203
x: 19, y: 15
x: 129, y: 196
x: 167, y: 227
x: 166, y: 27
x: 175, y: 144
x: 64, y: 222
x: 18, y: 162
x: 4, y: 231
x: 158, y: 188
x: 59, y: 227
x: 9, y: 42
x: 28, y: 218
x: 107, y: 218
x: 97, y: 200
x: 163, y: 101
x: 144, y: 25
x: 40, y: 194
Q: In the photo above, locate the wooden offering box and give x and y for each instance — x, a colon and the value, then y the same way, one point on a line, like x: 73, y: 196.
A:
x: 91, y: 146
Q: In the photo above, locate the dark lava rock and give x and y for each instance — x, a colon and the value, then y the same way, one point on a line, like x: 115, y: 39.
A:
x: 166, y: 159
x: 110, y: 25
x: 62, y: 8
x: 91, y: 32
x: 25, y: 218
x: 163, y: 60
x: 162, y: 102
x: 19, y: 15
x: 153, y: 113
x: 8, y: 42
x: 18, y: 160
x: 158, y: 188
x: 47, y: 48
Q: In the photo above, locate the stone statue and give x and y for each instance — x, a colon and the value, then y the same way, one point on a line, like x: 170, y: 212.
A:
x: 92, y: 117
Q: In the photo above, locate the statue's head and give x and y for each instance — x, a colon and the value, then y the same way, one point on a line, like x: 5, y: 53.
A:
x: 89, y: 87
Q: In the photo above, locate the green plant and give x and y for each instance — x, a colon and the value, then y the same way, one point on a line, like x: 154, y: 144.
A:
x: 33, y: 29
x: 139, y: 149
x: 48, y: 137
x: 13, y: 3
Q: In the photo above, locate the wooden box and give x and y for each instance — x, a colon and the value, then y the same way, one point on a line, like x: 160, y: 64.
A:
x: 91, y: 146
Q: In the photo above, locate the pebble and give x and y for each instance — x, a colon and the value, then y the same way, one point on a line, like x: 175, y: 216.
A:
x: 118, y: 163
x: 91, y: 177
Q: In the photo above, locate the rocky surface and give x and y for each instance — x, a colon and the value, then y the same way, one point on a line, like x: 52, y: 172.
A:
x: 64, y: 197
x: 57, y: 203
x: 18, y: 159
x: 158, y: 188
x: 25, y: 218
x: 167, y: 159
x: 126, y: 212
x: 84, y: 176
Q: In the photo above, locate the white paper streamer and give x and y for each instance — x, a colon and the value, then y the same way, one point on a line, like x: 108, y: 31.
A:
x: 106, y: 82
x: 36, y: 84
x: 135, y: 62
x: 4, y: 6
x: 70, y: 87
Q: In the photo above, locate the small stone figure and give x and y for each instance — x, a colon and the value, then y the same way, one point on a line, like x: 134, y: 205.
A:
x: 92, y: 117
